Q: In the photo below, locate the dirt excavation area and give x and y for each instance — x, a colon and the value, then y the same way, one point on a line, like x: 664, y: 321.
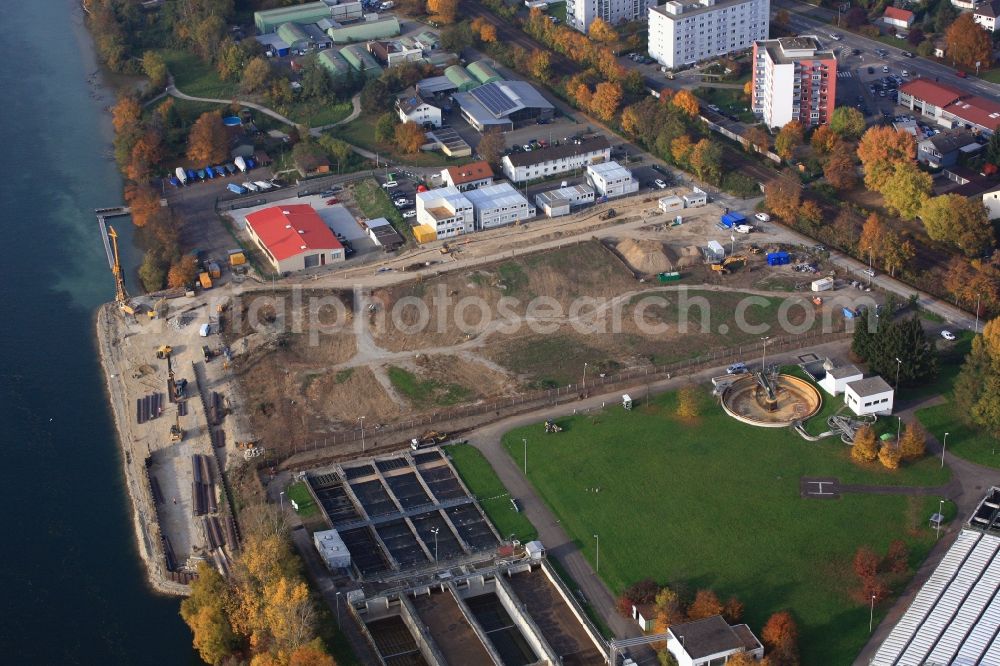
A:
x: 498, y: 330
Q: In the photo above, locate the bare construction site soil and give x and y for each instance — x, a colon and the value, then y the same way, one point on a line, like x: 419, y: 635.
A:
x: 518, y: 324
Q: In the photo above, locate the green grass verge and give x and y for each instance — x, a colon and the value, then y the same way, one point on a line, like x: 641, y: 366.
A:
x: 318, y: 114
x: 715, y: 504
x: 427, y: 391
x: 361, y: 132
x: 558, y: 10
x: 374, y: 202
x: 298, y: 493
x: 484, y: 483
x: 194, y: 77
x: 963, y: 441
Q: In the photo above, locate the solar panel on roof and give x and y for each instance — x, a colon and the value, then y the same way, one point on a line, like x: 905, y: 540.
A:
x: 494, y: 100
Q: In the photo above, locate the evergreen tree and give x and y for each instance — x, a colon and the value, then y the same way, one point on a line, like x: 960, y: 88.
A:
x: 904, y: 340
x: 914, y: 440
x: 862, y: 343
x: 993, y: 149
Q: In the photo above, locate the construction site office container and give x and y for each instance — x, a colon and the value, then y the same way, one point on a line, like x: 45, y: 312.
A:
x: 823, y: 284
x: 424, y: 233
x: 778, y: 259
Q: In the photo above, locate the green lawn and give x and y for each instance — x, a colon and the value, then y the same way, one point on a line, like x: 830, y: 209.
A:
x: 194, y: 77
x: 426, y: 392
x: 558, y: 10
x: 716, y: 504
x: 298, y: 493
x: 315, y: 114
x: 479, y: 476
x: 963, y: 441
x: 361, y: 132
x: 374, y: 202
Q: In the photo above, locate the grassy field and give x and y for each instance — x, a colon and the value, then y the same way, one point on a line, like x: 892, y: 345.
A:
x: 361, y: 132
x: 965, y: 442
x: 716, y: 504
x: 374, y: 202
x: 424, y: 392
x: 194, y: 77
x: 479, y: 476
x: 730, y: 100
x: 298, y: 493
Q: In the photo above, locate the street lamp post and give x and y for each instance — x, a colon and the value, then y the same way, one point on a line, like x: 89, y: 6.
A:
x: 763, y: 358
x: 940, y: 518
x: 525, y: 456
x: 361, y: 419
x: 944, y: 446
x: 899, y: 364
x: 434, y: 531
x: 597, y: 567
x: 281, y: 500
x: 870, y: 269
x: 584, y: 375
x: 338, y: 609
x: 871, y: 616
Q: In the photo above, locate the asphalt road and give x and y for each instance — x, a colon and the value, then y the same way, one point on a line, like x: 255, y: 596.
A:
x: 809, y: 19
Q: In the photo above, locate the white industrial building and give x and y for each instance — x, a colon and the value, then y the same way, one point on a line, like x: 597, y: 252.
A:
x: 554, y: 160
x: 869, y: 396
x: 683, y: 32
x: 953, y: 618
x: 331, y: 549
x: 581, y: 13
x: 611, y: 179
x: 562, y: 201
x: 497, y: 205
x: 446, y: 211
x: 836, y: 379
x: 710, y: 641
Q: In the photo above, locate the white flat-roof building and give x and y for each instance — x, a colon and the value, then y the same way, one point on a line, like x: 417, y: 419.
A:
x: 497, y: 205
x: 611, y: 179
x: 697, y: 198
x: 446, y: 211
x: 683, y: 32
x: 331, y: 549
x: 837, y: 378
x: 581, y: 13
x: 561, y: 202
x: 953, y: 618
x: 869, y: 396
x: 670, y: 204
x: 711, y: 641
x: 555, y: 160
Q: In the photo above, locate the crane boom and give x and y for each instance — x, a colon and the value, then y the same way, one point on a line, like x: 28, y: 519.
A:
x: 121, y: 296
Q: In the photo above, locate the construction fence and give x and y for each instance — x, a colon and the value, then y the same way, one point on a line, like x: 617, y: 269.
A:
x: 353, y: 442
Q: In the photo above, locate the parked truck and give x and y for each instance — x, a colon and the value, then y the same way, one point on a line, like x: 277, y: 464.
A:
x: 823, y: 284
x: 236, y: 189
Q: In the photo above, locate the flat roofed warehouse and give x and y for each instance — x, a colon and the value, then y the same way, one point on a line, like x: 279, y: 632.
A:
x: 504, y: 104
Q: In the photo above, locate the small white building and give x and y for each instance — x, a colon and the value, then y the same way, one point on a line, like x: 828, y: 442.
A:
x: 869, y: 396
x: 611, y: 179
x: 837, y: 378
x: 332, y: 550
x: 498, y: 205
x: 714, y: 251
x: 413, y: 108
x: 697, y: 198
x: 670, y: 204
x: 964, y: 4
x: 446, y: 211
x: 468, y: 177
x: 644, y: 615
x: 898, y: 18
x: 710, y: 641
x: 562, y: 201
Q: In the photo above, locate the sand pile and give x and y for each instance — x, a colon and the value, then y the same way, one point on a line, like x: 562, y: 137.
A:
x: 690, y: 256
x: 647, y: 256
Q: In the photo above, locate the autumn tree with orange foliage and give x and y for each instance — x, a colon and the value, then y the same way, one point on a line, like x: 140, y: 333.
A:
x: 605, y: 101
x: 880, y: 149
x: 758, y: 139
x: 540, y: 65
x: 443, y: 11
x: 146, y: 153
x: 688, y: 403
x: 823, y: 140
x: 865, y: 448
x: 125, y: 113
x: 686, y: 102
x: 789, y: 138
x: 601, y: 31
x: 311, y: 654
x: 783, y: 196
x: 705, y: 604
x: 781, y: 636
x: 840, y: 170
x: 208, y: 142
x: 680, y: 149
x: 967, y: 43
x: 183, y: 273
x: 143, y: 201
x: 488, y: 33
x: 409, y: 137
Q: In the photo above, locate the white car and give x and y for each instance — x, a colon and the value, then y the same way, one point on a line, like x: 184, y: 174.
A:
x: 885, y: 69
x: 660, y: 184
x: 947, y: 335
x: 835, y: 37
x: 410, y: 213
x: 905, y: 72
x: 251, y: 186
x: 763, y: 217
x: 869, y: 272
x: 390, y: 183
x: 743, y: 228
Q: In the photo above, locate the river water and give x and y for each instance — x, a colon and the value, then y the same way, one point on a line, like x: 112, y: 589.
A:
x: 72, y: 588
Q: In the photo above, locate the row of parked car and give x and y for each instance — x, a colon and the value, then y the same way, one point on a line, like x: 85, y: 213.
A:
x: 184, y: 176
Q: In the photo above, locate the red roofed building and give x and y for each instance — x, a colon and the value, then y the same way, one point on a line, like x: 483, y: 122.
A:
x: 468, y: 177
x: 898, y: 18
x: 294, y: 238
x: 950, y: 107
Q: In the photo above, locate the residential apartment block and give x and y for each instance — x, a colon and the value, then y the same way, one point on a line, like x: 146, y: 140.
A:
x: 555, y: 160
x: 581, y: 13
x: 683, y: 32
x: 445, y: 211
x: 497, y: 205
x: 793, y: 79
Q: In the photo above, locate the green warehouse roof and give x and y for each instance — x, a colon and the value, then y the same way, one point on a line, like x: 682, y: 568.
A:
x: 365, y: 31
x: 293, y: 35
x: 333, y: 63
x: 483, y: 72
x: 361, y: 60
x: 269, y: 20
x: 457, y: 75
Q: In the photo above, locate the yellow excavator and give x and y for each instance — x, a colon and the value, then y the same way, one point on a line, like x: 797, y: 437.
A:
x: 723, y: 266
x: 176, y: 434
